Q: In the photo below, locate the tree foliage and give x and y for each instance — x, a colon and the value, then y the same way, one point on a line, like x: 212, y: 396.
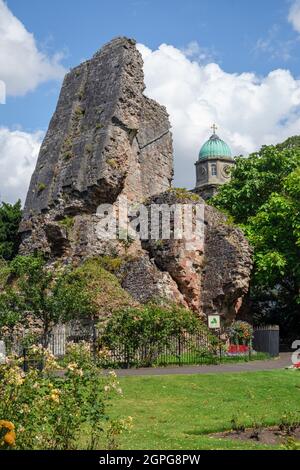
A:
x: 263, y: 198
x: 149, y: 328
x: 10, y: 218
x: 33, y: 292
x: 38, y: 297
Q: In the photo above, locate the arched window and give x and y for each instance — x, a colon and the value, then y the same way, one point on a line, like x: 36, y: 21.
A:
x: 213, y: 169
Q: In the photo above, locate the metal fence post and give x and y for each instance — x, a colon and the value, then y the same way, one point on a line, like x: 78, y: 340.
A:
x: 179, y: 349
x: 220, y: 347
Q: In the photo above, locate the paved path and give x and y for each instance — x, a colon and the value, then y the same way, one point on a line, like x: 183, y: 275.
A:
x: 284, y: 360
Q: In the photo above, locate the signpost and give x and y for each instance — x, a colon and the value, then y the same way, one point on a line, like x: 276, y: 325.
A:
x: 214, y: 322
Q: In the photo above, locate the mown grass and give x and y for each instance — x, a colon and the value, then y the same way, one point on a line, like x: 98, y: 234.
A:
x: 190, y: 359
x: 180, y: 411
x: 193, y: 359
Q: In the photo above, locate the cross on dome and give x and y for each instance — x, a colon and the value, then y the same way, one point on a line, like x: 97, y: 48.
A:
x: 214, y: 128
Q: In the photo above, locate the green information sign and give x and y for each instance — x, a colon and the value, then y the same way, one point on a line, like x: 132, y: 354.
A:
x: 214, y: 322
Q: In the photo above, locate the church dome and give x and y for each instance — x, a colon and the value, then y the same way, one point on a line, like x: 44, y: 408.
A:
x: 215, y: 148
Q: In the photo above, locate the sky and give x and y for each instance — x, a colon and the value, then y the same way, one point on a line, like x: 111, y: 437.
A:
x: 235, y: 63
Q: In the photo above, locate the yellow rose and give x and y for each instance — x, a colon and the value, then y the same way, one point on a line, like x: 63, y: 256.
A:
x: 7, y: 425
x: 54, y: 398
x: 10, y: 438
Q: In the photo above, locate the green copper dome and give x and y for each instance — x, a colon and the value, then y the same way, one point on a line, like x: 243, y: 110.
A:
x: 215, y: 148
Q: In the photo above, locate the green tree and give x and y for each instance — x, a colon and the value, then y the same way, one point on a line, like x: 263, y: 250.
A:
x: 291, y: 142
x: 38, y: 293
x: 263, y: 198
x: 10, y: 218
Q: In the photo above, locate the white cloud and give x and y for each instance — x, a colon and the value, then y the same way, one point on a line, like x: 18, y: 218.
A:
x: 249, y: 110
x: 195, y: 52
x: 18, y: 155
x: 274, y: 47
x: 294, y: 15
x: 22, y: 65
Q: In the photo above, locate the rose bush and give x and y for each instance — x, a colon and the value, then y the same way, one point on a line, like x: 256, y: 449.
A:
x: 139, y: 335
x: 57, y: 410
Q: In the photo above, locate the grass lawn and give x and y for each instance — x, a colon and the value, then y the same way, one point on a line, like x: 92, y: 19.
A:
x: 178, y: 411
x: 192, y: 359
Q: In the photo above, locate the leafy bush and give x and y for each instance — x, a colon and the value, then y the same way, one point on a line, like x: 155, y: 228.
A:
x: 289, y: 422
x: 236, y: 423
x: 139, y: 335
x: 44, y: 411
x: 240, y: 332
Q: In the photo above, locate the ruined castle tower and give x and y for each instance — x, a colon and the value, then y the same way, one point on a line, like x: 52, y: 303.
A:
x: 107, y: 140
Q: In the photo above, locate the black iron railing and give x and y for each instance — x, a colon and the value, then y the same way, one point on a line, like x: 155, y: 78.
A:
x: 181, y: 349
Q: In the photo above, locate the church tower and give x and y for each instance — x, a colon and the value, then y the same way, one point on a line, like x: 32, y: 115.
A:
x: 213, y: 166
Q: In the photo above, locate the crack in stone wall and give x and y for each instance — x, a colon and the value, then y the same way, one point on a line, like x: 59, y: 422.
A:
x: 141, y: 147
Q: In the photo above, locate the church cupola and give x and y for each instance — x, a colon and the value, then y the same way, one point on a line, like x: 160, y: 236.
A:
x: 213, y: 167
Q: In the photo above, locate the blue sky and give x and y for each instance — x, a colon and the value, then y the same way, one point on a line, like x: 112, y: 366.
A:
x: 239, y: 35
x: 229, y: 29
